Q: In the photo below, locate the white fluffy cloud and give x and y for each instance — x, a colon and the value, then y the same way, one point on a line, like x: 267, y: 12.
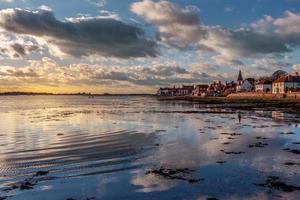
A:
x: 16, y: 47
x: 177, y: 27
x: 181, y: 28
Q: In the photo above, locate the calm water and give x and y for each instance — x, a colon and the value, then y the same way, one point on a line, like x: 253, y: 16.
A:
x: 60, y: 147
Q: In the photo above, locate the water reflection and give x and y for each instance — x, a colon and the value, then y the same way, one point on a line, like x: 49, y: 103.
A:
x: 141, y: 148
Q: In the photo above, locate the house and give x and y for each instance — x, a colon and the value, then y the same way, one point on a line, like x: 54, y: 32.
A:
x: 185, y: 90
x: 245, y: 86
x: 166, y: 91
x: 263, y: 86
x: 287, y: 83
x: 229, y: 88
x: 242, y: 85
x: 216, y: 89
x: 200, y: 90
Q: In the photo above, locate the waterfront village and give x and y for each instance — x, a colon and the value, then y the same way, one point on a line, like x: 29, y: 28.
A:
x: 279, y: 83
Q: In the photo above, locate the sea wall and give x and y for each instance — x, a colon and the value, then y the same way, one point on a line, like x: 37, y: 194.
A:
x: 257, y: 95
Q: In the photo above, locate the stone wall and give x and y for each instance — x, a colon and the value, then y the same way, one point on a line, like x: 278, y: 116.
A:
x: 258, y: 95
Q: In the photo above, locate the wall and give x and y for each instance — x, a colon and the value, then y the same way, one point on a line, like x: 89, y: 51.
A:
x: 258, y: 95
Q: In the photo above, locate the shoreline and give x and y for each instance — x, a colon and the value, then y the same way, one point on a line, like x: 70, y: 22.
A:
x: 66, y: 94
x: 289, y: 105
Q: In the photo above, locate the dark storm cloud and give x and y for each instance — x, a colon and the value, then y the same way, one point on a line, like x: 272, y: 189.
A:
x: 80, y: 37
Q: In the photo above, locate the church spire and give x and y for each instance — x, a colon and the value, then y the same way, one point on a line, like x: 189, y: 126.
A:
x: 240, y: 77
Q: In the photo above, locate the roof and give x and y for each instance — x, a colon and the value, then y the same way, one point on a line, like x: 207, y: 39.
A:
x: 288, y: 78
x: 202, y: 86
x: 167, y: 88
x: 188, y: 87
x: 264, y: 82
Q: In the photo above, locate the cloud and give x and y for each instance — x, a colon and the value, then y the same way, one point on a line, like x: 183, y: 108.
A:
x: 16, y: 47
x: 97, y: 3
x: 110, y: 78
x: 287, y: 26
x: 235, y: 44
x: 228, y: 9
x: 84, y: 36
x: 9, y: 1
x: 177, y: 27
x: 290, y: 24
x: 45, y: 7
x: 181, y: 28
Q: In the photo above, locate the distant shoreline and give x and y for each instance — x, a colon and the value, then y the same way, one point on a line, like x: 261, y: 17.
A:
x: 65, y: 94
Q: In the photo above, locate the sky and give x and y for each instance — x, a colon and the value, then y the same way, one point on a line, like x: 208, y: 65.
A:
x: 131, y: 46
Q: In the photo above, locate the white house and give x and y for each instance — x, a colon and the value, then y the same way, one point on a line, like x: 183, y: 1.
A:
x: 286, y: 84
x: 166, y: 91
x: 263, y: 86
x: 185, y: 90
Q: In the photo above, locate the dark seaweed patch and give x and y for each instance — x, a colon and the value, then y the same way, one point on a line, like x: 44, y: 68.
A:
x: 232, y: 152
x: 258, y: 144
x: 261, y: 138
x: 296, y: 142
x: 174, y: 174
x: 41, y: 173
x: 274, y: 182
x: 291, y: 163
x: 226, y: 143
x: 231, y: 134
x: 295, y: 151
x: 287, y: 133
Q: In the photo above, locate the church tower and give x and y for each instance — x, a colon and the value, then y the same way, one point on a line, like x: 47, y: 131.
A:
x: 240, y: 77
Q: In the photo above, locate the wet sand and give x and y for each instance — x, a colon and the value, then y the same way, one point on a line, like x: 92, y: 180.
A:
x: 74, y: 147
